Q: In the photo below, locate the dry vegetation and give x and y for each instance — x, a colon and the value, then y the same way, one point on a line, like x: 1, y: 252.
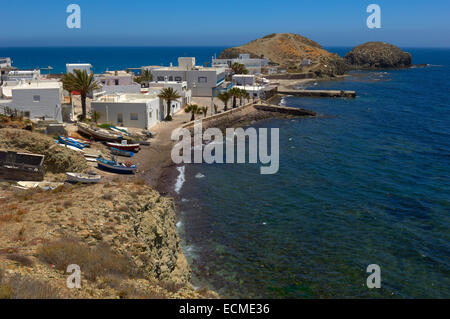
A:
x: 57, y: 159
x: 122, y: 235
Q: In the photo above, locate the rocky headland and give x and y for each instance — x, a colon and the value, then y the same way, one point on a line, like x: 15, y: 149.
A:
x: 374, y: 55
x: 291, y: 51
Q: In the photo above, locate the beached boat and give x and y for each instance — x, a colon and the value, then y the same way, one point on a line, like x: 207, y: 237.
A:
x: 21, y: 166
x: 124, y: 146
x: 68, y: 141
x: 119, y: 130
x: 73, y: 148
x: 116, y: 151
x: 98, y: 133
x: 41, y: 185
x: 116, y: 167
x: 83, y: 178
x: 87, y: 143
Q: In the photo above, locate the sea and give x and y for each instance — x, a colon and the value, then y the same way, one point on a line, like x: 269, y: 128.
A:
x: 367, y: 182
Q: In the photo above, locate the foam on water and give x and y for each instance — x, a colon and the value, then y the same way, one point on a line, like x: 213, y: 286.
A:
x: 180, y: 179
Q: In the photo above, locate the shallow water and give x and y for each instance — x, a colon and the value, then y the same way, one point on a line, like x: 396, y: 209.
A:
x: 366, y: 183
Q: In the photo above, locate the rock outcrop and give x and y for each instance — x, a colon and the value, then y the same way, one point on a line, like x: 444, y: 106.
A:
x: 373, y: 55
x: 132, y: 219
x: 289, y: 50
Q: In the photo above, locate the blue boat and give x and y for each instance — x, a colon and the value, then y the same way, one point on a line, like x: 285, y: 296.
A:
x: 68, y: 141
x: 116, y: 151
x: 114, y: 166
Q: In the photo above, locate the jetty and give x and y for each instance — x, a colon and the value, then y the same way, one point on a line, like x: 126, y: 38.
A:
x: 284, y: 109
x: 317, y: 93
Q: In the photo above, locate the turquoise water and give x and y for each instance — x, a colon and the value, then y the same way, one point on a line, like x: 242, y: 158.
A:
x: 367, y: 182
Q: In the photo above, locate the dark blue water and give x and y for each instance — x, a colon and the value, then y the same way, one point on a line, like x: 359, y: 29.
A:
x: 102, y: 58
x: 368, y: 182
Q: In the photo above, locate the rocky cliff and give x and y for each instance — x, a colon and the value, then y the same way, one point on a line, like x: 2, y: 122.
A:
x: 288, y: 50
x: 122, y: 235
x: 372, y: 55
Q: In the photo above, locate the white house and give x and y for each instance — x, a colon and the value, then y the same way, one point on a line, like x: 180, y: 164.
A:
x: 117, y: 82
x: 5, y: 63
x: 24, y: 75
x: 129, y: 110
x: 203, y: 81
x: 38, y: 99
x: 243, y: 79
x: 255, y: 91
x: 70, y: 67
x: 253, y: 65
x: 180, y: 87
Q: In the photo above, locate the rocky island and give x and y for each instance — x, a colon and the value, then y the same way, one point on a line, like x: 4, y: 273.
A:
x: 372, y: 55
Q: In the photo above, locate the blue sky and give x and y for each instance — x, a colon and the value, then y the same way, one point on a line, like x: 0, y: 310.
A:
x: 412, y: 23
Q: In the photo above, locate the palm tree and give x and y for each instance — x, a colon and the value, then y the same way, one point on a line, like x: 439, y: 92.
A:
x: 81, y: 82
x: 204, y: 110
x: 224, y: 97
x: 168, y: 94
x: 244, y: 95
x: 194, y: 109
x: 235, y: 93
x: 239, y: 68
x: 145, y: 76
x: 95, y: 116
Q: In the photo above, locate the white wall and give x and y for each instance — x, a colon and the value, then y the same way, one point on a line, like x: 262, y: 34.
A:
x: 148, y: 113
x: 48, y: 106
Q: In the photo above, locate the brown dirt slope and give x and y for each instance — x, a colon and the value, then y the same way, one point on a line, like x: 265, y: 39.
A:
x: 288, y: 50
x: 57, y: 159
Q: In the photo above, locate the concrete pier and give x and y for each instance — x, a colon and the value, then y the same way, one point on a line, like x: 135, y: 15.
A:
x: 284, y: 109
x: 317, y: 93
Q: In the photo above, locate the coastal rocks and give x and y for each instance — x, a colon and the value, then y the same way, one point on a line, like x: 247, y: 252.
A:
x: 373, y: 55
x: 135, y: 222
x: 292, y: 52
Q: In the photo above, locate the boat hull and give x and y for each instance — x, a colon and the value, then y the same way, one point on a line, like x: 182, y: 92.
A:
x: 116, y: 168
x: 98, y: 135
x: 116, y: 151
x: 124, y: 147
x: 82, y: 178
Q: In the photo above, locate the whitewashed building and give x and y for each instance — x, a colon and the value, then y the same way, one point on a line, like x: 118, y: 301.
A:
x: 253, y: 65
x: 129, y: 110
x: 180, y: 87
x: 117, y: 82
x: 38, y: 99
x: 70, y: 67
x: 202, y: 81
x: 243, y: 79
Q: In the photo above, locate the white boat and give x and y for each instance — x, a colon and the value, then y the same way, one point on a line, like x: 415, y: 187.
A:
x: 42, y: 185
x: 73, y: 148
x: 83, y: 178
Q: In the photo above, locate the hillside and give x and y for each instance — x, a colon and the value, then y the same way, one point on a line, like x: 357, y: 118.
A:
x: 288, y: 50
x: 372, y: 55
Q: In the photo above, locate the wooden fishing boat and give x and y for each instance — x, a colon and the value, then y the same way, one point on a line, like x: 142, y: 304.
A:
x: 124, y: 147
x: 83, y: 178
x: 116, y: 151
x: 68, y: 141
x: 119, y: 130
x: 81, y: 140
x: 114, y: 166
x: 21, y: 166
x: 98, y: 133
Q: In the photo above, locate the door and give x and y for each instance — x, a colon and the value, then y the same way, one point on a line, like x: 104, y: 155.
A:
x: 120, y: 119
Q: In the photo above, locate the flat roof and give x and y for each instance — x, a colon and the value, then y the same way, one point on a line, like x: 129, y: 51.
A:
x: 38, y: 85
x: 127, y: 97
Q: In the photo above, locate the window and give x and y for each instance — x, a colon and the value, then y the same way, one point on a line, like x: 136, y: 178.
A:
x: 202, y: 79
x: 170, y: 78
x: 134, y: 117
x: 178, y: 78
x: 160, y: 78
x: 116, y: 82
x: 26, y: 114
x: 36, y: 98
